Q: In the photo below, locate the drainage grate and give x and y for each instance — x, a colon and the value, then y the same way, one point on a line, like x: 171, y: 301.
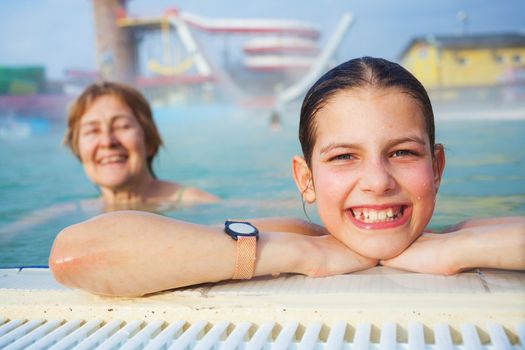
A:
x: 117, y: 334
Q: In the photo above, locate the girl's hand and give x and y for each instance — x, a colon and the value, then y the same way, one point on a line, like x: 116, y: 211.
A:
x: 430, y: 253
x: 333, y: 258
x: 488, y: 243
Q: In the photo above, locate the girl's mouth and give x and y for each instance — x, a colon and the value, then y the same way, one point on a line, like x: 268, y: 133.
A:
x: 377, y: 218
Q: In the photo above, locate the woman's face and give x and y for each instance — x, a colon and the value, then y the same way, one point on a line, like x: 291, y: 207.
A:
x: 111, y: 144
x: 374, y: 177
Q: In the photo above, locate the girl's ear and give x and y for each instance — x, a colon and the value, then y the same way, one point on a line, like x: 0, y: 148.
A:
x: 438, y: 164
x: 303, y: 179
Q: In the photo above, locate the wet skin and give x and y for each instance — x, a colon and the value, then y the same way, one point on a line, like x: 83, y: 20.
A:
x: 374, y: 177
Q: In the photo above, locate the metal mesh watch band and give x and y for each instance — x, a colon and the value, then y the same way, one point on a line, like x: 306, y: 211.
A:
x: 245, y: 258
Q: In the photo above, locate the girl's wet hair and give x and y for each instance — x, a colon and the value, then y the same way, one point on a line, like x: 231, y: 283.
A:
x: 361, y: 72
x: 132, y: 97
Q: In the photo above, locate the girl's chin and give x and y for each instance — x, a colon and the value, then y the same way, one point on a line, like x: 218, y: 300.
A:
x: 382, y: 245
x: 381, y: 253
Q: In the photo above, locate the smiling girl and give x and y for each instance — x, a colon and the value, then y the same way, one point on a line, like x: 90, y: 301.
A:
x: 370, y: 161
x: 371, y: 164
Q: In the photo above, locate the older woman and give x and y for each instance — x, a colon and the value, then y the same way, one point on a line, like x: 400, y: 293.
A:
x: 112, y: 132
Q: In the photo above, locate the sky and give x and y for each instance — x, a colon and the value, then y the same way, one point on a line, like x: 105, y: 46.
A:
x: 59, y: 34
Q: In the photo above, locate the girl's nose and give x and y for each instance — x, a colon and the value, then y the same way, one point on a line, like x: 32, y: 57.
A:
x: 376, y: 177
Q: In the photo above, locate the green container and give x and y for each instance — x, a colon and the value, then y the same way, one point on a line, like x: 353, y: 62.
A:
x: 4, y: 86
x: 22, y: 80
x: 21, y: 87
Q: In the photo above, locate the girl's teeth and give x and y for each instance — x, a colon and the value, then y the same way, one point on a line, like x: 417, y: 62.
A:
x: 372, y: 216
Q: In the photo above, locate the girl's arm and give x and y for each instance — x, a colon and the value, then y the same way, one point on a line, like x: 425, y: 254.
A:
x: 130, y: 253
x: 498, y: 244
x: 288, y: 224
x: 485, y: 222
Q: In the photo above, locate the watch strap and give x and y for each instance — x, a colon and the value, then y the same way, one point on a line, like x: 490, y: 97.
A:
x: 245, y: 258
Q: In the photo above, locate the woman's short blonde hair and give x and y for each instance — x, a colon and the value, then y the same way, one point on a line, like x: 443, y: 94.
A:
x: 128, y: 95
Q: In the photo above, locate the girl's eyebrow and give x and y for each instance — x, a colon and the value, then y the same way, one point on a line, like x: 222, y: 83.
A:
x: 332, y: 146
x: 413, y: 138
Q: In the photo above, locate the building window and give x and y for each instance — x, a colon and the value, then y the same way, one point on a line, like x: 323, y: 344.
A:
x: 516, y: 58
x: 461, y: 61
x: 423, y: 52
x: 498, y: 59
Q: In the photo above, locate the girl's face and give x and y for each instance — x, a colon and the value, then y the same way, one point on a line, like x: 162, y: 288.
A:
x: 373, y: 176
x: 111, y: 144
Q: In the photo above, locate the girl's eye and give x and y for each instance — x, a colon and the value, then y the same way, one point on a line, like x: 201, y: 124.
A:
x: 403, y: 153
x: 344, y: 156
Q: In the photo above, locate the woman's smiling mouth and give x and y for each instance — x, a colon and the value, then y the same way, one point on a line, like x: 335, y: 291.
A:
x: 112, y: 159
x: 368, y: 217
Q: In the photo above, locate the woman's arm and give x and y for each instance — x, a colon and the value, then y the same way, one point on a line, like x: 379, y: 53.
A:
x: 498, y: 244
x: 130, y: 253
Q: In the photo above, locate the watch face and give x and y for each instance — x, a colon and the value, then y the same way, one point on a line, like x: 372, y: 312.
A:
x: 241, y: 228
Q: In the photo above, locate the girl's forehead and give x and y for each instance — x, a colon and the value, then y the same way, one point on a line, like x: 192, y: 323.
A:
x: 367, y: 113
x: 367, y: 102
x: 370, y: 93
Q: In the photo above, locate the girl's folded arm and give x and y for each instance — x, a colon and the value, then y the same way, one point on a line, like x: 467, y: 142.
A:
x: 129, y: 253
x: 485, y: 222
x: 500, y: 245
x: 289, y: 224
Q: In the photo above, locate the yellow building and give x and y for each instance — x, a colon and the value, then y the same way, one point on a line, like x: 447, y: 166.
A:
x: 466, y: 61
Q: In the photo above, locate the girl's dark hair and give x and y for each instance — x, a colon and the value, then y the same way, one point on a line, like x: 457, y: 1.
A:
x: 359, y: 73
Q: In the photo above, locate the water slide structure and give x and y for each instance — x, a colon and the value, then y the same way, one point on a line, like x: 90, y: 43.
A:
x: 277, y: 58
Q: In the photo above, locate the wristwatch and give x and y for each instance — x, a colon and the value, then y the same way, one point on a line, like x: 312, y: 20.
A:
x: 246, y: 236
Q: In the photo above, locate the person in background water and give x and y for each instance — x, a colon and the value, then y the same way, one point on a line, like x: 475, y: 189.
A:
x: 112, y: 132
x: 371, y: 164
x: 110, y: 128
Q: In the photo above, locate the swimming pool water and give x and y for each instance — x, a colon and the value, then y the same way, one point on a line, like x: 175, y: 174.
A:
x: 235, y: 154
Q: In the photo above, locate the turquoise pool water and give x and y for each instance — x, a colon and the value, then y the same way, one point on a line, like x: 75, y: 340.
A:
x: 235, y: 154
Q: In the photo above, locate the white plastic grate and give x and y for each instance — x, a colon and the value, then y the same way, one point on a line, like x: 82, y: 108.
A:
x: 157, y: 334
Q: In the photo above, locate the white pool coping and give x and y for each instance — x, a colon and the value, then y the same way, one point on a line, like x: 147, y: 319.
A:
x: 377, y: 295
x: 376, y: 308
